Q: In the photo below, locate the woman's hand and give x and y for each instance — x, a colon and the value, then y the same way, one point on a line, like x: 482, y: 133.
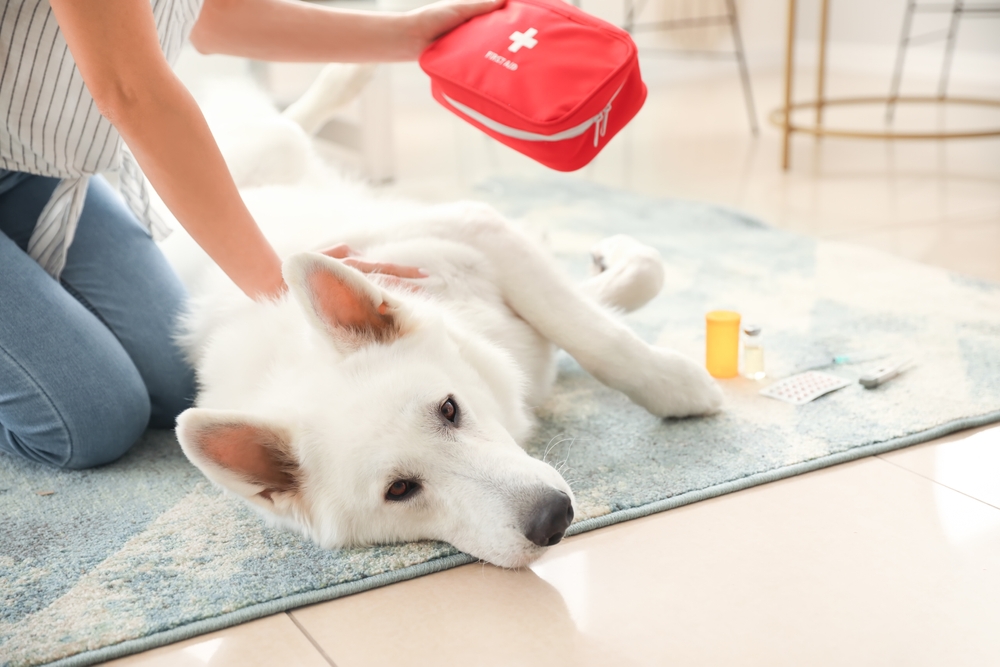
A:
x: 344, y: 253
x: 434, y: 20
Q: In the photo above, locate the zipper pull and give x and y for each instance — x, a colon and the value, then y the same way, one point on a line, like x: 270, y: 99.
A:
x: 601, y: 124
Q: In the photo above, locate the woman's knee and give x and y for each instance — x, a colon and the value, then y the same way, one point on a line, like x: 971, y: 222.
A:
x: 111, y: 425
x: 82, y: 426
x: 70, y: 396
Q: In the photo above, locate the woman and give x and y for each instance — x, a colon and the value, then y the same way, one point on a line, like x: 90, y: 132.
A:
x: 87, y: 301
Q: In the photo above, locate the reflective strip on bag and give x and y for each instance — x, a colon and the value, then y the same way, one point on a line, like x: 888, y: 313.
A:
x: 600, y: 123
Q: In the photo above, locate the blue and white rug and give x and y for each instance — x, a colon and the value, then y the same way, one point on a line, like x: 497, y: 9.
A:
x: 101, y: 563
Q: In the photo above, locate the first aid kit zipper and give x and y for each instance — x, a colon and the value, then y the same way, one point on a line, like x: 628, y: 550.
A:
x: 599, y: 122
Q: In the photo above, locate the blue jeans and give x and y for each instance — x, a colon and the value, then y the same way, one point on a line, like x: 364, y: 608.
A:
x: 89, y: 361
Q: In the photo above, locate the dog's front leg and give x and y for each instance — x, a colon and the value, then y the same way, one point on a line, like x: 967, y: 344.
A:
x: 663, y: 381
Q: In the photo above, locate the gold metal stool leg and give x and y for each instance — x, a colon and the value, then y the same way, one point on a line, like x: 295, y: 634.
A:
x: 824, y: 23
x: 789, y: 69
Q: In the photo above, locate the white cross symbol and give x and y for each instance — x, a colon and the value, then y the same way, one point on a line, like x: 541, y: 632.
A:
x: 526, y: 38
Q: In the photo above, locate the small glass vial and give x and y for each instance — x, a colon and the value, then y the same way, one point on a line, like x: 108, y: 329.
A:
x: 753, y: 353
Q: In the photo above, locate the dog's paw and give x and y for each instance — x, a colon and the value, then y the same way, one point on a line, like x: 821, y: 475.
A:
x: 672, y: 385
x: 628, y: 273
x: 619, y: 249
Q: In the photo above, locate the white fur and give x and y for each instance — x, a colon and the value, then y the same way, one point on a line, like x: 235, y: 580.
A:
x: 351, y: 410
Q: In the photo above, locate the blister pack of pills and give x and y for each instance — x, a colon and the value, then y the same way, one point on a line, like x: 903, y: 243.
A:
x: 804, y: 387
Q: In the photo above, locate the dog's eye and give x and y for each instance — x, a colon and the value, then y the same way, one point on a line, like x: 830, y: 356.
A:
x: 401, y: 489
x: 449, y: 410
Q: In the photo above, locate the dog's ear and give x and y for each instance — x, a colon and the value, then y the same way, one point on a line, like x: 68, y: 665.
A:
x: 341, y: 301
x: 244, y: 454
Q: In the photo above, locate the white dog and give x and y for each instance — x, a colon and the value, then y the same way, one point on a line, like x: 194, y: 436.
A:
x: 364, y: 409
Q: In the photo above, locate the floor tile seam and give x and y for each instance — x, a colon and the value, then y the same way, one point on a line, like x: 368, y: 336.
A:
x: 934, y: 481
x: 892, y: 182
x: 989, y: 218
x: 310, y: 639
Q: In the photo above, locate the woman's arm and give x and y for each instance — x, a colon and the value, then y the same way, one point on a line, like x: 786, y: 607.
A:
x: 288, y: 30
x: 117, y: 51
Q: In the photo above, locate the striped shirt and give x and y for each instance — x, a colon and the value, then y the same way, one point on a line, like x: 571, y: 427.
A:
x: 50, y: 125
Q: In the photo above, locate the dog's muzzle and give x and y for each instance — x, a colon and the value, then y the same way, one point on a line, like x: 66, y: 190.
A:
x: 548, y: 520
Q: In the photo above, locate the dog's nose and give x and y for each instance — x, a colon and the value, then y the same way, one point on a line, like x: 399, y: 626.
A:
x: 549, y: 518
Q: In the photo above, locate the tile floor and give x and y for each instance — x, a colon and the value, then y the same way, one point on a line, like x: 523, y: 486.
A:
x: 889, y: 560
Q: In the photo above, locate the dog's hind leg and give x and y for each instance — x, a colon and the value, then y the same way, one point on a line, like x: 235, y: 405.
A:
x: 628, y: 273
x: 336, y: 85
x: 663, y: 381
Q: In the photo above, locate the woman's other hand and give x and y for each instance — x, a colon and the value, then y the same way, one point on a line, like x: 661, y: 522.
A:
x: 348, y: 256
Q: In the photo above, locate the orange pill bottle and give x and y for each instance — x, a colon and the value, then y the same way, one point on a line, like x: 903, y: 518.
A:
x: 722, y: 343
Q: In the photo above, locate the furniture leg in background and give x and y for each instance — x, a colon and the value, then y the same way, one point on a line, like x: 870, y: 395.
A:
x: 958, y: 10
x: 782, y: 117
x: 729, y: 18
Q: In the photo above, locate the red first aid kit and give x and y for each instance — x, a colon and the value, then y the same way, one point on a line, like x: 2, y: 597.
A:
x: 540, y: 76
